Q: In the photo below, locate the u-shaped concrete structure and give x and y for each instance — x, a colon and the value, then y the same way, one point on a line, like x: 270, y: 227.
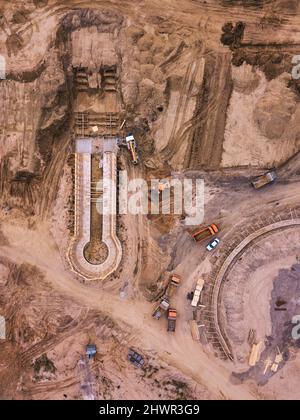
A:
x: 82, y: 234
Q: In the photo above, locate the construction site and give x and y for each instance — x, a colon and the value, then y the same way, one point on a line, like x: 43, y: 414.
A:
x: 102, y: 304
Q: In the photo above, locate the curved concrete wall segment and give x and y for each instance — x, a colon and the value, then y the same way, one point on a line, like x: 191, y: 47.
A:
x: 227, y: 264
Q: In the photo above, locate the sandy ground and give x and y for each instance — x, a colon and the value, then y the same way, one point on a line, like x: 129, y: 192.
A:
x: 196, y: 110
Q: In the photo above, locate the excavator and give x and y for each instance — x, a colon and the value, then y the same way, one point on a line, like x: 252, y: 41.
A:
x: 131, y: 145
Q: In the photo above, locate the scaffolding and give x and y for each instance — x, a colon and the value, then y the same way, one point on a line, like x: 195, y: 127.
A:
x: 96, y: 124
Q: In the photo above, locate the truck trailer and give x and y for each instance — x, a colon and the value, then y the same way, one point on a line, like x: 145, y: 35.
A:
x: 131, y: 145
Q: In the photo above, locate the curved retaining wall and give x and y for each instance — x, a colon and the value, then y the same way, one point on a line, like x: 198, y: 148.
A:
x: 226, y: 266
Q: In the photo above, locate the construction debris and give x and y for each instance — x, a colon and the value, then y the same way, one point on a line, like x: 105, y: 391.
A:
x: 173, y: 284
x: 172, y: 317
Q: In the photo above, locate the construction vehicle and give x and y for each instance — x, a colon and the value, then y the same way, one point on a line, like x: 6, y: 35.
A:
x: 252, y: 337
x: 264, y: 180
x: 197, y: 292
x: 203, y: 233
x: 172, y: 316
x: 135, y: 358
x: 173, y: 284
x: 163, y: 185
x: 131, y: 145
x: 194, y: 330
x: 213, y: 245
x: 161, y: 308
x: 255, y: 353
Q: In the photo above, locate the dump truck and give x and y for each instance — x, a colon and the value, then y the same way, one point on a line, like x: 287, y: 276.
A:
x: 174, y: 282
x: 202, y: 233
x: 131, y: 145
x: 197, y: 292
x: 172, y: 315
x: 264, y: 180
x: 161, y: 308
x: 194, y: 330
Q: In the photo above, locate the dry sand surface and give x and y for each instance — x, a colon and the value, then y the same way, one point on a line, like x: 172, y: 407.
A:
x: 207, y: 90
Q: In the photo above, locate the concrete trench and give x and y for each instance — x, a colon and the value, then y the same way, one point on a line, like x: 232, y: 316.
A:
x: 76, y: 253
